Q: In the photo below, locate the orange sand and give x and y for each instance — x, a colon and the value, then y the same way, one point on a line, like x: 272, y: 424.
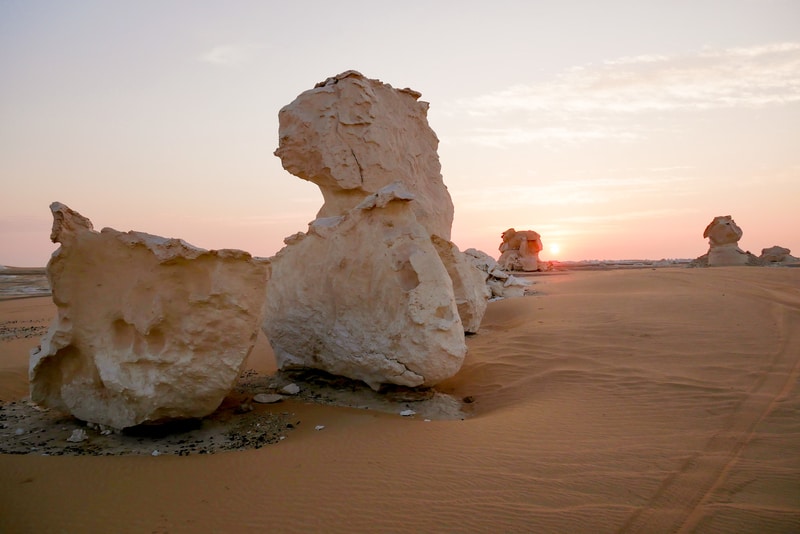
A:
x: 662, y: 400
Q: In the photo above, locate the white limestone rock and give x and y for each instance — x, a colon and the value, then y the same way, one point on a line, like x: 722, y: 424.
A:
x: 469, y: 285
x: 148, y: 329
x: 353, y: 136
x: 500, y: 283
x: 365, y: 295
x: 723, y: 237
x: 519, y: 250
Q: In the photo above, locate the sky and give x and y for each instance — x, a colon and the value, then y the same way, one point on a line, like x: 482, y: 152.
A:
x: 615, y: 129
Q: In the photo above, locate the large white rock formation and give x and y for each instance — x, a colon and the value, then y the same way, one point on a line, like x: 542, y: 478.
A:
x: 148, y: 328
x: 374, y: 291
x: 366, y: 296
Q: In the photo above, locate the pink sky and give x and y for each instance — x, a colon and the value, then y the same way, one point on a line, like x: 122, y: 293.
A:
x: 616, y: 132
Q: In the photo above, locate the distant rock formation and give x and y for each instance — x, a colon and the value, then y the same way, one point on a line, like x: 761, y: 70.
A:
x: 148, y: 328
x: 375, y: 290
x: 723, y: 237
x: 519, y: 250
x: 777, y: 255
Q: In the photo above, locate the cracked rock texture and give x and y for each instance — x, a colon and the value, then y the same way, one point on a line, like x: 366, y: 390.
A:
x: 352, y: 136
x: 380, y: 305
x: 148, y: 329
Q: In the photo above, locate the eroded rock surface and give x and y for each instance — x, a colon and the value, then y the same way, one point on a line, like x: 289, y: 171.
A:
x: 519, y: 250
x: 469, y: 284
x: 397, y: 295
x: 778, y: 255
x: 499, y: 283
x: 365, y: 295
x: 352, y: 136
x: 148, y: 328
x: 723, y: 237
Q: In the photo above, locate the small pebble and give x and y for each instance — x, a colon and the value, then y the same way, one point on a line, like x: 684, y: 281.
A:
x: 78, y: 435
x: 267, y: 398
x: 290, y: 389
x: 407, y: 413
x: 319, y: 427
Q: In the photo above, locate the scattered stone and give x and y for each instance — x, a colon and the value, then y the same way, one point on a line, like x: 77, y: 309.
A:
x: 499, y: 283
x: 77, y: 436
x: 319, y: 427
x: 407, y: 413
x: 290, y: 389
x: 267, y: 398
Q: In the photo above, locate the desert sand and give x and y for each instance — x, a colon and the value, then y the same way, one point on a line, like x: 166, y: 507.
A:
x: 637, y: 400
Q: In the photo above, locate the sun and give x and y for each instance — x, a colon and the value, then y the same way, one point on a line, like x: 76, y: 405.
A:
x: 554, y: 248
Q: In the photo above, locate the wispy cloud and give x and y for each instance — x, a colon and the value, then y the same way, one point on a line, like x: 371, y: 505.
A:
x: 570, y: 192
x: 591, y: 102
x: 231, y: 54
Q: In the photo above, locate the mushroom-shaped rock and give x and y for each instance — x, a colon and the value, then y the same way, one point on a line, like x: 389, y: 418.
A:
x: 519, y: 250
x: 375, y: 290
x: 723, y: 237
x: 148, y: 329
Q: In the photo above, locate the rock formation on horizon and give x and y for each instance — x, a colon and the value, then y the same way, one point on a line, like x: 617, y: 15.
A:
x: 777, y: 255
x: 375, y: 290
x: 519, y: 250
x: 723, y: 237
x: 148, y: 329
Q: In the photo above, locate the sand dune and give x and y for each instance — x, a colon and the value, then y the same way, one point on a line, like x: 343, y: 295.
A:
x: 652, y: 400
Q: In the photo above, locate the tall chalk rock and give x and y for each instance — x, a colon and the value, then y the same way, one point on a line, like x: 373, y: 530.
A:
x: 381, y: 242
x: 148, y: 329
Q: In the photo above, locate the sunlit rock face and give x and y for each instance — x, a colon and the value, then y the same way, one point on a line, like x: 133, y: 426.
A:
x: 352, y: 136
x: 148, y: 329
x: 519, y: 250
x: 366, y: 296
x: 395, y: 296
x: 723, y: 237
